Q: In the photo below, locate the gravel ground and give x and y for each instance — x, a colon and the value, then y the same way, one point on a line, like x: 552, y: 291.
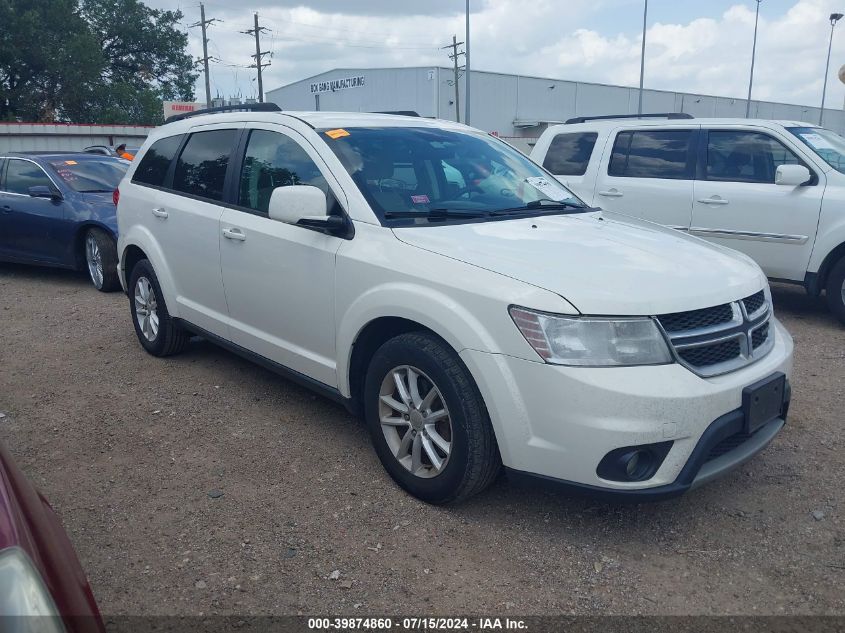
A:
x: 205, y: 484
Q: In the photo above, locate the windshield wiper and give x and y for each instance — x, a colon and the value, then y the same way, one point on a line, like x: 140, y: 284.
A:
x: 537, y: 205
x: 436, y: 214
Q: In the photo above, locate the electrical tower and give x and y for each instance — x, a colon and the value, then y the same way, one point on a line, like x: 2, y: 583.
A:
x: 203, y: 23
x: 259, y: 55
x: 454, y: 57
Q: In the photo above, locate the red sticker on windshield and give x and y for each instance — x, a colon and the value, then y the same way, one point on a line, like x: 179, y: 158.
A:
x: 421, y: 199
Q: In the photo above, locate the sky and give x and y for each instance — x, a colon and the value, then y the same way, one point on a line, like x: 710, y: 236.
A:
x: 701, y: 46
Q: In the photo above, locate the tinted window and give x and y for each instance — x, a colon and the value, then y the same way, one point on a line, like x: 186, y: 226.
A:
x: 21, y: 175
x: 745, y: 156
x: 274, y: 160
x: 569, y: 154
x: 154, y: 165
x: 91, y: 175
x: 201, y: 168
x: 651, y: 154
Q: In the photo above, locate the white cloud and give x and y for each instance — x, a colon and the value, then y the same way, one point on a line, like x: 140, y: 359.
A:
x: 705, y: 55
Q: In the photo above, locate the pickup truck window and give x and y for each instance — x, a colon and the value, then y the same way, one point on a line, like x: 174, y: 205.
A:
x: 569, y: 154
x: 408, y: 174
x: 201, y: 168
x: 652, y: 154
x: 274, y: 160
x: 154, y: 165
x: 745, y: 156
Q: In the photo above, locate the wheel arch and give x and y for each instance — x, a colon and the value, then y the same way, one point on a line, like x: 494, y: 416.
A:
x: 79, y: 240
x: 818, y: 284
x: 139, y: 244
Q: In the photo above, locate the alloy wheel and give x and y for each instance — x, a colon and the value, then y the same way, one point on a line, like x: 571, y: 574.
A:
x: 146, y: 308
x: 95, y: 261
x: 415, y: 421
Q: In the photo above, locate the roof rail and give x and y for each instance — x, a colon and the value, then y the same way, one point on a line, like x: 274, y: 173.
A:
x: 242, y: 107
x: 400, y: 113
x: 656, y: 115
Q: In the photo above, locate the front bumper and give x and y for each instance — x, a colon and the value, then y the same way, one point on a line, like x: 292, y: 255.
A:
x: 557, y: 423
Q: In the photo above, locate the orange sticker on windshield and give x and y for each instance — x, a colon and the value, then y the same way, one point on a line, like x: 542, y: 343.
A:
x: 70, y: 162
x: 338, y: 133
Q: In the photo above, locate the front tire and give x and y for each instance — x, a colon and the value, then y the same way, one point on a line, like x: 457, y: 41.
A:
x: 157, y: 331
x: 101, y: 260
x: 427, y: 420
x: 836, y: 290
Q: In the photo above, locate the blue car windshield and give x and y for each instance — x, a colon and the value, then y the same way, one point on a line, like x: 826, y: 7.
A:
x: 90, y: 175
x: 420, y: 174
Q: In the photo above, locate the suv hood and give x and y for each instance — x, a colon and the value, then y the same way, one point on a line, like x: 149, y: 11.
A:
x: 602, y: 263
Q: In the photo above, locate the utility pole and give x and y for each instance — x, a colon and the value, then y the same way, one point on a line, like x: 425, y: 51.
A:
x: 258, y: 65
x: 834, y: 18
x: 203, y: 23
x: 454, y: 57
x: 466, y: 65
x: 753, y: 55
x: 642, y: 57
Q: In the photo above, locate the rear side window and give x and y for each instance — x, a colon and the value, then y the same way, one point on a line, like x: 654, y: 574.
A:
x: 569, y: 154
x: 652, y: 154
x: 741, y: 156
x: 201, y: 168
x: 154, y: 165
x: 22, y: 174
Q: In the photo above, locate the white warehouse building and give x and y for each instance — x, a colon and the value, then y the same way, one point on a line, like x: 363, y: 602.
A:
x: 515, y: 107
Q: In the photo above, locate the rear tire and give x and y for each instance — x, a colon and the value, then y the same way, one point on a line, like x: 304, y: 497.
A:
x: 836, y: 290
x: 100, y: 252
x: 441, y: 448
x: 157, y: 331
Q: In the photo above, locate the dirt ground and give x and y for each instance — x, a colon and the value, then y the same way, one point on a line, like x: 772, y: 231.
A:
x: 134, y: 453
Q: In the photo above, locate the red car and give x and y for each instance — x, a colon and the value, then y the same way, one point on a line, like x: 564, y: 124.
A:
x: 40, y: 574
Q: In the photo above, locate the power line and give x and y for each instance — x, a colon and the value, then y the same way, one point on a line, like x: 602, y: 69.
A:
x: 203, y: 23
x: 259, y: 54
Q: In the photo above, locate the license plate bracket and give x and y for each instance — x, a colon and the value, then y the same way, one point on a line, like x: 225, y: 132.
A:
x: 763, y: 401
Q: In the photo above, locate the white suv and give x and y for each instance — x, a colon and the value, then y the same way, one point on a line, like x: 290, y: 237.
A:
x: 774, y: 190
x: 437, y: 281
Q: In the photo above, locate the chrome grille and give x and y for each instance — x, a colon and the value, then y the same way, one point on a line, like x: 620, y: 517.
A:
x: 754, y: 302
x: 722, y: 338
x: 695, y: 319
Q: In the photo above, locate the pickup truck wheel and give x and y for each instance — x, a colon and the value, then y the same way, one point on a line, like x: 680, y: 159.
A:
x: 836, y: 290
x: 101, y: 260
x: 157, y: 331
x: 427, y: 420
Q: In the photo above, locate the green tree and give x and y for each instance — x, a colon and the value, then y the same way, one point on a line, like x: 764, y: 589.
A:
x: 47, y: 57
x: 101, y: 61
x: 145, y: 60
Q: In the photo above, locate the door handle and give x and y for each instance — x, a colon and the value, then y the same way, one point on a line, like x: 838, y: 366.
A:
x: 611, y: 193
x: 713, y: 200
x: 234, y: 234
x: 159, y: 212
x: 6, y: 209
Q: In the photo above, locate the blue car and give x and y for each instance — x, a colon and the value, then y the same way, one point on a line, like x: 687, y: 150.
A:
x: 58, y: 209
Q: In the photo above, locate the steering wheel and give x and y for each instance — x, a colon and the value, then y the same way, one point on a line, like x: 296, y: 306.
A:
x: 392, y: 184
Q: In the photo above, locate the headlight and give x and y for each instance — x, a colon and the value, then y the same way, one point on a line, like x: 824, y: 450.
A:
x: 22, y: 592
x: 592, y: 341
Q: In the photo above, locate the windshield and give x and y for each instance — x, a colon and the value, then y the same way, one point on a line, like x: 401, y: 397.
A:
x: 421, y: 174
x: 91, y: 175
x: 829, y: 145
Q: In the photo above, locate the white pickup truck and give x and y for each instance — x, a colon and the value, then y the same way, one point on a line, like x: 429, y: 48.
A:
x: 773, y: 190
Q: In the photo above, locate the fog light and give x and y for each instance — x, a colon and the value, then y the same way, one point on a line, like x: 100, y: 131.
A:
x: 633, y: 463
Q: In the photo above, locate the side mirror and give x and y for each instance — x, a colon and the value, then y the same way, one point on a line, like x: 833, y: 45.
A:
x: 297, y: 202
x: 43, y: 191
x: 304, y: 205
x: 792, y: 175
